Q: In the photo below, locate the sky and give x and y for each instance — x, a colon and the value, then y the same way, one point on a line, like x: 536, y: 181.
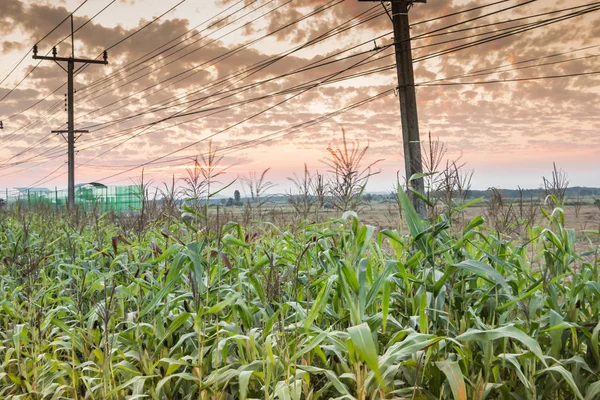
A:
x: 272, y: 83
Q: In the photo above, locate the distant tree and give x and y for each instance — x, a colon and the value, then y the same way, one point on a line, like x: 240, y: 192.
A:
x: 229, y: 202
x: 237, y: 197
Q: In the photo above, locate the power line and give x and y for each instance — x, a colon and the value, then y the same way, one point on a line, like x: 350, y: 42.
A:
x: 110, y: 47
x: 45, y: 36
x: 423, y: 35
x: 463, y: 22
x: 195, y: 68
x: 494, y: 70
x: 320, y: 8
x: 136, y: 62
x: 13, y: 134
x: 231, y: 92
x: 417, y: 23
x: 66, y: 37
x: 247, y: 118
x: 508, y: 21
x: 382, y: 69
x: 281, y: 133
x: 534, y: 78
x: 54, y: 106
x: 317, y: 10
x: 137, y: 31
x: 510, y: 33
x: 238, y: 123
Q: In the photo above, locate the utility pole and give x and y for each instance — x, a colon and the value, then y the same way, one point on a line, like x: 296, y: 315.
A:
x: 71, y: 61
x: 413, y: 163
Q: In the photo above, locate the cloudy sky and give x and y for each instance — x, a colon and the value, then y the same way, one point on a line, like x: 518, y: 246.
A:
x: 273, y: 82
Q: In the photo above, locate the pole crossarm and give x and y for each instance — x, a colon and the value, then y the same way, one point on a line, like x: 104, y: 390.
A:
x: 71, y: 59
x: 61, y: 132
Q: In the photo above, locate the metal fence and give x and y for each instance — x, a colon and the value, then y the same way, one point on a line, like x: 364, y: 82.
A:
x: 88, y: 198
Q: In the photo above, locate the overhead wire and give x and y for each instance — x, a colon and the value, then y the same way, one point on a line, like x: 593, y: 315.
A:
x: 514, y: 32
x: 459, y: 23
x: 108, y: 48
x: 29, y: 52
x: 494, y: 70
x: 533, y: 78
x: 317, y: 10
x: 138, y: 62
x: 55, y: 105
x: 252, y: 116
x: 135, y: 60
x: 170, y: 78
x: 225, y: 107
x: 456, y: 24
x: 289, y: 130
x: 210, y: 136
x: 445, y: 16
x: 309, y: 87
x: 546, y: 77
x: 252, y: 69
x: 417, y: 23
x: 12, y: 134
x: 323, y: 8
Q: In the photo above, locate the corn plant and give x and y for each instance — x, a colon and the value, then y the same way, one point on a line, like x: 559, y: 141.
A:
x: 330, y: 310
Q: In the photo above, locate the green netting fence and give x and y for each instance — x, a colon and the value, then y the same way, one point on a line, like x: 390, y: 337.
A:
x: 88, y: 198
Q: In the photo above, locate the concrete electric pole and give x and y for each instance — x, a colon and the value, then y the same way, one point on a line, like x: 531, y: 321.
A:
x: 408, y: 99
x: 71, y: 61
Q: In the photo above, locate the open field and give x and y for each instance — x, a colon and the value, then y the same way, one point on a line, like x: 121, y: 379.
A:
x: 96, y: 306
x: 386, y: 215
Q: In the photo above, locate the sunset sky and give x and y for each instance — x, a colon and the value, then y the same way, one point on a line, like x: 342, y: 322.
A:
x: 191, y: 75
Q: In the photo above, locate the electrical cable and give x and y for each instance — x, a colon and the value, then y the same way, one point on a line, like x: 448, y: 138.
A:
x: 45, y: 36
x: 533, y: 78
x: 545, y: 77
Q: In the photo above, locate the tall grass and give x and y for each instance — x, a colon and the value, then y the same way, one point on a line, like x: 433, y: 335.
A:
x: 332, y: 310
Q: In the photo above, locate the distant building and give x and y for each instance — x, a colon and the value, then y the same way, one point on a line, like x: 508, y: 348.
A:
x: 25, y: 191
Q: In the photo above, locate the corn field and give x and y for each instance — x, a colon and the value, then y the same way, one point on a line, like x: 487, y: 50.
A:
x: 332, y: 310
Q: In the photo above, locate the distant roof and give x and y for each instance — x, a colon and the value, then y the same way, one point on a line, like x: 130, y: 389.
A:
x: 33, y: 190
x: 94, y: 184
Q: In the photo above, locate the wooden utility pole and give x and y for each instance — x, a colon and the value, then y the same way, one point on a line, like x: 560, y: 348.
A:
x: 71, y: 61
x: 413, y: 163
